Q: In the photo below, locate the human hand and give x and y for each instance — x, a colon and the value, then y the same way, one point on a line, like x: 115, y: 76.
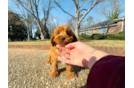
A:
x: 76, y: 53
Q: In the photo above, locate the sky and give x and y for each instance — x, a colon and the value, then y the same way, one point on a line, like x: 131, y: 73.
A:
x: 68, y: 5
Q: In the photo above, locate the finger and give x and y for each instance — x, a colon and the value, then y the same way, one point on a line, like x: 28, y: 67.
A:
x: 63, y: 49
x: 65, y: 60
x: 85, y: 63
x: 70, y: 45
x: 63, y: 54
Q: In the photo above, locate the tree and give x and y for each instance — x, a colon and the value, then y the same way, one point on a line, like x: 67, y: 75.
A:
x: 16, y: 28
x: 77, y: 12
x: 53, y: 22
x: 29, y: 21
x: 32, y: 6
x: 80, y: 15
x: 46, y: 11
x: 89, y: 20
x: 113, y: 14
x: 37, y: 33
x: 13, y: 18
x: 111, y: 9
x: 71, y: 22
x: 27, y: 18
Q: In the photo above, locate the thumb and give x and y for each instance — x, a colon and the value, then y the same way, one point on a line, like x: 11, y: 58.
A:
x: 71, y: 45
x: 85, y: 63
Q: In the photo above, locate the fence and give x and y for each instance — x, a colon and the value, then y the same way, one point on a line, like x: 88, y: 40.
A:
x: 119, y: 51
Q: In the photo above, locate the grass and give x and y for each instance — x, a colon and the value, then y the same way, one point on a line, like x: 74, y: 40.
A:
x: 47, y: 42
x: 113, y: 43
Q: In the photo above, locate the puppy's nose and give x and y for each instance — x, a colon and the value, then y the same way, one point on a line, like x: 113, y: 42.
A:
x: 62, y: 38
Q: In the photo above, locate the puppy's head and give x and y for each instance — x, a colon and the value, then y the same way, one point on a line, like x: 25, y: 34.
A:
x: 63, y: 35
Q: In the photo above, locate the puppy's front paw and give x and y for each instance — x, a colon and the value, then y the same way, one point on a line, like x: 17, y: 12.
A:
x: 54, y: 74
x: 72, y: 76
x: 47, y: 63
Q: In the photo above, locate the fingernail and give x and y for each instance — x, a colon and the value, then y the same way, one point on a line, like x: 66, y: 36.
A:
x: 58, y: 57
x: 57, y: 50
x: 57, y: 45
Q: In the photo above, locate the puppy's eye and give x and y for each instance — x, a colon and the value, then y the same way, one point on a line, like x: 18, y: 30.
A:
x: 68, y: 33
x: 58, y: 33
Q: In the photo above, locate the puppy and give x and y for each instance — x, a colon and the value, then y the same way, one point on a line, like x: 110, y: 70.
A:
x: 62, y: 36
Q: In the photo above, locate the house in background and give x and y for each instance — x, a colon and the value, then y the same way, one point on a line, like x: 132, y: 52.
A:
x: 106, y: 27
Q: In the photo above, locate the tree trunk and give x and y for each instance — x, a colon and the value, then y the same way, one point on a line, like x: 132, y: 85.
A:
x: 41, y: 32
x: 45, y: 28
x: 28, y: 35
x: 77, y: 25
x: 76, y: 30
x: 41, y: 35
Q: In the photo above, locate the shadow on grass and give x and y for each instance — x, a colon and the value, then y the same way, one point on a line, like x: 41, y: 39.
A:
x: 86, y: 40
x: 76, y: 69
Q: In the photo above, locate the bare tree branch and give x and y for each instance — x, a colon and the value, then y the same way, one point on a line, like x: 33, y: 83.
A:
x: 74, y: 2
x: 77, y: 12
x: 48, y: 9
x: 82, y: 4
x: 24, y: 6
x: 82, y: 10
x: 34, y: 10
x: 22, y: 11
x: 111, y: 6
x: 34, y: 2
x: 96, y: 2
x: 31, y: 9
x: 63, y: 9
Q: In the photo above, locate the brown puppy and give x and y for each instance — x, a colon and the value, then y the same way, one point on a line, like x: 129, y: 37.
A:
x: 62, y: 36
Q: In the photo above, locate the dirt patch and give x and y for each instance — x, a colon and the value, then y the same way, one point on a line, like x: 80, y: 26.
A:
x: 86, y: 40
x: 27, y: 69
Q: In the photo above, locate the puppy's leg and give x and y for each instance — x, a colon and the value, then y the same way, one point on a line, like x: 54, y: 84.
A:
x: 54, y: 71
x: 49, y: 59
x: 70, y: 74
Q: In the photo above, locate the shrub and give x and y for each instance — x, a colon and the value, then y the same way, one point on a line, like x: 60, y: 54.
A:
x: 86, y: 36
x: 98, y: 36
x: 120, y: 36
x: 50, y: 35
x: 38, y: 40
x: 123, y: 32
x: 80, y: 38
x: 9, y: 40
x: 115, y: 36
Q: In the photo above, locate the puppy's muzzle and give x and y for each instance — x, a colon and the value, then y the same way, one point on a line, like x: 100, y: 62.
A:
x: 62, y: 38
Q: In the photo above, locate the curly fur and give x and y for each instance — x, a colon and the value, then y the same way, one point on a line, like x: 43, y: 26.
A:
x: 67, y: 33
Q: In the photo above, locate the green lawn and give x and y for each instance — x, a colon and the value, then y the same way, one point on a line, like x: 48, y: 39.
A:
x: 114, y: 43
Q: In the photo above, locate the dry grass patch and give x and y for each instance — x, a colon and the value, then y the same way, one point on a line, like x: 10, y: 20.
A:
x: 47, y: 42
x: 114, y: 43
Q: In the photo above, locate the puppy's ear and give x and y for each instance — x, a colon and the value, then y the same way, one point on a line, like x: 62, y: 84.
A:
x: 74, y: 38
x: 52, y: 40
